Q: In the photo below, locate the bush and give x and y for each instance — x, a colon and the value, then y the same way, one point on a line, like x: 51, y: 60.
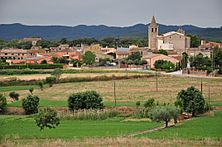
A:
x: 41, y: 85
x: 47, y: 118
x: 3, y: 103
x: 149, y: 103
x: 30, y: 104
x: 57, y: 73
x: 164, y: 65
x: 50, y: 80
x: 137, y: 104
x: 14, y: 95
x: 191, y: 101
x: 85, y: 100
x: 31, y: 90
x: 164, y: 113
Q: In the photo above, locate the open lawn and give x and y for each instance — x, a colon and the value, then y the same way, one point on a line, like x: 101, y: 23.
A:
x: 197, y: 128
x: 25, y: 128
x: 127, y: 91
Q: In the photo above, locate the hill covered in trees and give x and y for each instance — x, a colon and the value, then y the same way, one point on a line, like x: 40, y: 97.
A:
x: 17, y: 31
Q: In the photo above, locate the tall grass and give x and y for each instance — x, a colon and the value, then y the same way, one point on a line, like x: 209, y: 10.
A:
x: 89, y: 114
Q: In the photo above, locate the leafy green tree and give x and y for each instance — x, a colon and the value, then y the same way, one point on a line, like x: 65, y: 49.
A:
x: 191, y: 101
x: 85, y: 100
x: 63, y: 41
x: 89, y: 58
x: 194, y: 41
x: 149, y: 103
x: 134, y: 56
x: 164, y: 65
x: 24, y: 45
x: 14, y: 95
x: 164, y: 52
x: 30, y: 104
x: 217, y: 57
x: 50, y: 80
x: 200, y: 62
x: 43, y: 62
x: 75, y: 63
x: 57, y: 73
x: 41, y: 85
x: 184, y: 60
x: 164, y: 113
x: 31, y: 90
x: 3, y: 103
x: 47, y: 118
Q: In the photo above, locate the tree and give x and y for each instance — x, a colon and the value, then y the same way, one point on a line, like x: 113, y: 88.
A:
x: 194, y: 41
x: 63, y: 41
x: 89, y: 58
x: 41, y: 85
x: 3, y: 103
x: 30, y: 104
x: 200, y: 62
x: 14, y: 95
x: 217, y: 57
x: 47, y: 118
x: 164, y: 65
x: 134, y: 56
x: 57, y: 73
x: 184, y: 60
x: 43, y: 62
x: 164, y: 52
x: 50, y: 80
x: 75, y: 63
x: 191, y: 101
x: 85, y: 100
x: 164, y: 113
x: 31, y: 90
x: 149, y: 103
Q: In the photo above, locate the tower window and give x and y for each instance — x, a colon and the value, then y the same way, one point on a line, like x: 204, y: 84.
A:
x: 155, y: 29
x: 152, y: 29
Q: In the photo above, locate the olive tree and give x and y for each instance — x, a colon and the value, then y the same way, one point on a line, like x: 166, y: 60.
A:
x: 47, y: 118
x: 50, y: 80
x: 14, y: 95
x: 164, y: 113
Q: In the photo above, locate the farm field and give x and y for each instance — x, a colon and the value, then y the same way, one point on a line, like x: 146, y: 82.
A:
x: 197, y: 128
x: 128, y: 91
x: 25, y: 128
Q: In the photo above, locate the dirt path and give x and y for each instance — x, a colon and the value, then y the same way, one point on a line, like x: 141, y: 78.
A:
x: 151, y: 130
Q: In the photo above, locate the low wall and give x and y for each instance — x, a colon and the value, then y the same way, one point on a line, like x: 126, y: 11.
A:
x: 195, y: 72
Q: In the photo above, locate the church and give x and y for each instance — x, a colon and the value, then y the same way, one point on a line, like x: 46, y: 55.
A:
x: 170, y: 41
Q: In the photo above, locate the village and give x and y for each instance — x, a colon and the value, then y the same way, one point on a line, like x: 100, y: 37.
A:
x: 169, y: 47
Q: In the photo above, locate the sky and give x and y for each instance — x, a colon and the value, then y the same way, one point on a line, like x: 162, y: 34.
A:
x: 203, y: 13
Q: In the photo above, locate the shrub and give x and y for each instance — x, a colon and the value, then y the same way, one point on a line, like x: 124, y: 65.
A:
x: 41, y: 85
x: 50, y: 80
x: 30, y: 104
x: 57, y: 73
x: 31, y: 66
x: 14, y: 95
x: 3, y: 103
x: 47, y: 118
x: 191, y: 101
x: 149, y: 103
x: 164, y: 65
x: 85, y: 100
x: 31, y: 90
x: 137, y: 104
x: 164, y: 113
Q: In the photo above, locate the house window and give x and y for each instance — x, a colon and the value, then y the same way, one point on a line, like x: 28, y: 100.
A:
x: 5, y: 53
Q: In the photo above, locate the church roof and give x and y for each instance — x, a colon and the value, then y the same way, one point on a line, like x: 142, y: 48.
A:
x: 172, y: 33
x: 153, y: 20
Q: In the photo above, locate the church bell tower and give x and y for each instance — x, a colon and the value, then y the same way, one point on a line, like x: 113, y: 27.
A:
x: 153, y: 33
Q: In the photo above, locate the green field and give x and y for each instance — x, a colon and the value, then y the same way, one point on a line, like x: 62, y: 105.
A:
x: 25, y: 128
x: 197, y: 128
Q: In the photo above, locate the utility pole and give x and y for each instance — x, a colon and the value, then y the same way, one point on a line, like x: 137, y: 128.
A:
x: 114, y: 91
x: 201, y: 86
x: 156, y: 82
x: 209, y: 95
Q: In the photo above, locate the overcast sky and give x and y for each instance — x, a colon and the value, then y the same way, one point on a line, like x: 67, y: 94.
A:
x: 204, y: 13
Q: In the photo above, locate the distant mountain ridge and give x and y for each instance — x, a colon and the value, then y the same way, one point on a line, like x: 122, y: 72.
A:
x: 18, y: 31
